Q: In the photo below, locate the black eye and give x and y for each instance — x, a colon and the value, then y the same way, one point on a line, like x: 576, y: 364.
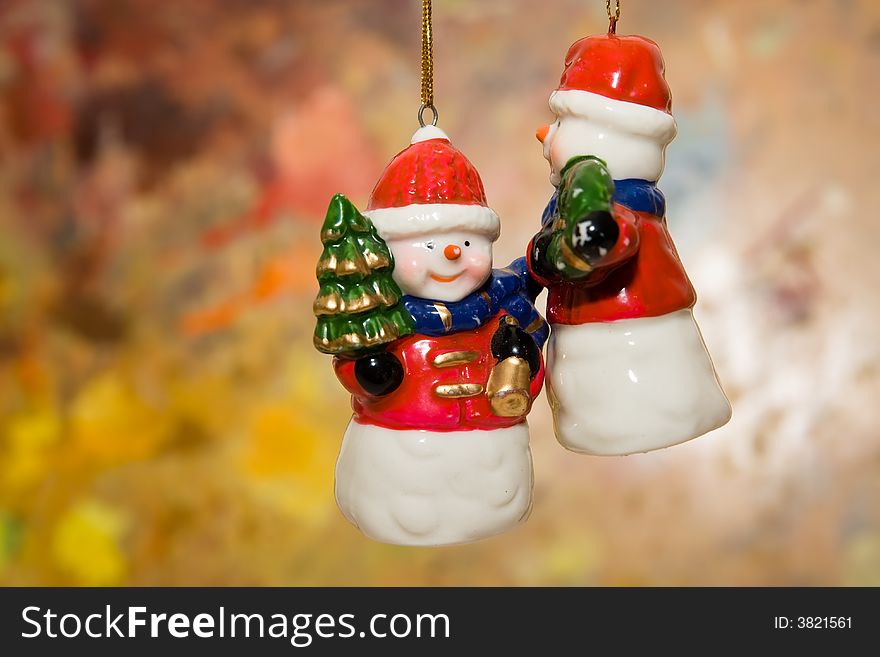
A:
x: 429, y: 245
x: 466, y: 243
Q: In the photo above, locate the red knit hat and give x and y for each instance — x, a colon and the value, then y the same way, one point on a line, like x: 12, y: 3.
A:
x: 618, y: 80
x: 430, y: 187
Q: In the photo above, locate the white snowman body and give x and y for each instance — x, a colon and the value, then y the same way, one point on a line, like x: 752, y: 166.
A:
x: 431, y: 488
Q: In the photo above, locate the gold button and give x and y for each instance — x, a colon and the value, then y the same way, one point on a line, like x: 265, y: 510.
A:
x: 451, y: 358
x: 458, y: 390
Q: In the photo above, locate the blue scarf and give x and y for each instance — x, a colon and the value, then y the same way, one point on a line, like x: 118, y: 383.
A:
x: 510, y: 289
x: 638, y: 195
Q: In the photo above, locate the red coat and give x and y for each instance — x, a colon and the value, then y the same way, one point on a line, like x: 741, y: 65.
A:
x: 421, y: 401
x: 642, y: 276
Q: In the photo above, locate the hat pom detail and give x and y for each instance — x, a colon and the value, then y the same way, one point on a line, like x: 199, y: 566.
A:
x: 428, y: 132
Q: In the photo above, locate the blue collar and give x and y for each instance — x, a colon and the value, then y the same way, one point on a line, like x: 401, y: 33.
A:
x: 634, y: 193
x: 640, y: 196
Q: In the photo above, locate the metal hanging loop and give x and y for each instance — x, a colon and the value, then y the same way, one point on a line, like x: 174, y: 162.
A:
x: 434, y: 111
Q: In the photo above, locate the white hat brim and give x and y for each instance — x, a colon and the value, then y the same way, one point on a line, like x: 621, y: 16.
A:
x: 630, y: 117
x: 423, y: 219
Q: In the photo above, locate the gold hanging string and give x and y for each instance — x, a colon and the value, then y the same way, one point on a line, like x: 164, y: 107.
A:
x: 612, y: 17
x: 427, y: 93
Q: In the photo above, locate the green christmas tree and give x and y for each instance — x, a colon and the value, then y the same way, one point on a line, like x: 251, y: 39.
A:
x: 358, y: 305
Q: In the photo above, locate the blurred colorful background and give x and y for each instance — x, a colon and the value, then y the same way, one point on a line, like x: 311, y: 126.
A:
x: 164, y: 168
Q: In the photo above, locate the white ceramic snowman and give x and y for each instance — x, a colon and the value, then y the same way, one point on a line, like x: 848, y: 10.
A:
x: 627, y: 367
x: 430, y: 456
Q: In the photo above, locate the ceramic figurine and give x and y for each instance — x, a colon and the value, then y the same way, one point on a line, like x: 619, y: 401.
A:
x: 627, y: 368
x: 440, y: 352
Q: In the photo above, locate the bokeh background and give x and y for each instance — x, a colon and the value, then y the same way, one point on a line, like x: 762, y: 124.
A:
x: 164, y: 168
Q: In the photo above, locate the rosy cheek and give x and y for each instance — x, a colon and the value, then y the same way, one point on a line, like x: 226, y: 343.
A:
x: 409, y: 269
x: 553, y: 153
x: 478, y: 265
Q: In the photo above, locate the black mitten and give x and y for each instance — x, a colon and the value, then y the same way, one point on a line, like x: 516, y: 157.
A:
x: 594, y: 235
x: 379, y: 374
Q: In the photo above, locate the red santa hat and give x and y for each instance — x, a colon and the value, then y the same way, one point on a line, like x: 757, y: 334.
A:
x: 618, y: 81
x: 431, y: 187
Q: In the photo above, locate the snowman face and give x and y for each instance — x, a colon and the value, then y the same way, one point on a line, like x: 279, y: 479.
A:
x: 627, y: 155
x: 442, y: 266
x: 570, y: 136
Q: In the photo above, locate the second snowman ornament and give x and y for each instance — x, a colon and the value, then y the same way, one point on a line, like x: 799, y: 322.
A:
x: 628, y: 369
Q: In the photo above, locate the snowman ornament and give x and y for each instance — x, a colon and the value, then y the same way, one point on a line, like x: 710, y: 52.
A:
x: 627, y: 367
x: 437, y: 451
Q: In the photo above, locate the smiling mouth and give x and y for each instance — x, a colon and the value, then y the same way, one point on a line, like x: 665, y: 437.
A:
x: 445, y: 279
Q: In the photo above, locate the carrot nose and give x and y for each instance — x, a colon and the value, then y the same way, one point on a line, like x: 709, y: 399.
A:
x: 541, y: 133
x: 452, y: 252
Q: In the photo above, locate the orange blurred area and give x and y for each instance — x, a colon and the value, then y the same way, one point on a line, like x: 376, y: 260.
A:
x: 164, y: 170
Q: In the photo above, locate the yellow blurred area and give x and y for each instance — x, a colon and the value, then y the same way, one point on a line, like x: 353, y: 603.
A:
x: 164, y: 170
x: 29, y: 438
x: 110, y: 424
x: 86, y: 544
